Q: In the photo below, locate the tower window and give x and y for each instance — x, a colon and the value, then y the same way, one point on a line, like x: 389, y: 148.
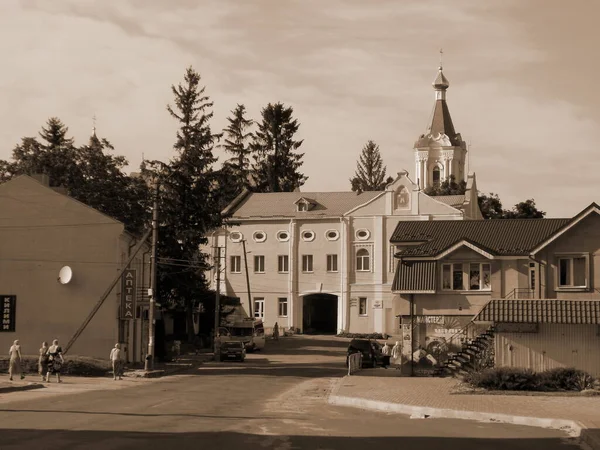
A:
x: 436, y: 175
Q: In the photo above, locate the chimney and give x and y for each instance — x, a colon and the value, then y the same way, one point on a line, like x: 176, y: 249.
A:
x: 42, y: 178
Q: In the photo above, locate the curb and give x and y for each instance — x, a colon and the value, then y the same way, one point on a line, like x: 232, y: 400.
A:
x: 26, y: 387
x: 571, y: 427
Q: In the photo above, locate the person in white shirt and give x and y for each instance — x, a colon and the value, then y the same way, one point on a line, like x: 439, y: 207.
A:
x: 386, y: 352
x: 117, y: 361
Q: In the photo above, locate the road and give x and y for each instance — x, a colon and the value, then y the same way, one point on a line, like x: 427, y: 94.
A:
x: 275, y: 400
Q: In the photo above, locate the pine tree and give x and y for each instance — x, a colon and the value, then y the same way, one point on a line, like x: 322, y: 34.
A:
x: 237, y: 139
x: 370, y: 171
x: 276, y: 163
x: 188, y: 200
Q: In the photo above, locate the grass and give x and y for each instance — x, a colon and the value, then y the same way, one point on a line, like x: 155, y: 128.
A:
x: 79, y: 366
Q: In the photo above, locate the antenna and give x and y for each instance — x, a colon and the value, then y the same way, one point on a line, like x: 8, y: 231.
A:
x: 65, y: 275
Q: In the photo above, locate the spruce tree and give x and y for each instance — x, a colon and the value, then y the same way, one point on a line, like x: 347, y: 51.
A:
x: 370, y: 171
x: 276, y: 162
x: 188, y: 199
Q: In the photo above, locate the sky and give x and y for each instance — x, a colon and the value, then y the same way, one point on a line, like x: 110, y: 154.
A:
x: 523, y: 80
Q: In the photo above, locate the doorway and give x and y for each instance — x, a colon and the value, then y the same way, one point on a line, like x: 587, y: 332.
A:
x: 319, y: 314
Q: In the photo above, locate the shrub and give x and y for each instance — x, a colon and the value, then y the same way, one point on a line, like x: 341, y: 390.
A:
x: 363, y: 335
x: 518, y: 379
x: 566, y: 379
x: 74, y: 365
x: 504, y: 379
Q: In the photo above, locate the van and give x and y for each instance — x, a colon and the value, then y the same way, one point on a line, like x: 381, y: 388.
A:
x: 250, y: 332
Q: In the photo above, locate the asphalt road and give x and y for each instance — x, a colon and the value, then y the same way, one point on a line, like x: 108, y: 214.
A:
x: 275, y: 400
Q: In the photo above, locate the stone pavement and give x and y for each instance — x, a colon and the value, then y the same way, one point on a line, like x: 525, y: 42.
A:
x: 434, y: 397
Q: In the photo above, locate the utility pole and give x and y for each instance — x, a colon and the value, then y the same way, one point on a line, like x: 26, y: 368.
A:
x: 250, y: 305
x: 149, y: 363
x: 217, y: 302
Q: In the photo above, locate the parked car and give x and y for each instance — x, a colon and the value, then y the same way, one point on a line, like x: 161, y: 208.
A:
x: 371, y: 352
x: 233, y: 350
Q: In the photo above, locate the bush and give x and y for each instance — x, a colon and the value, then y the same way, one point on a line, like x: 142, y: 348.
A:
x: 566, y: 379
x: 504, y: 379
x: 74, y: 365
x: 363, y: 335
x: 518, y: 379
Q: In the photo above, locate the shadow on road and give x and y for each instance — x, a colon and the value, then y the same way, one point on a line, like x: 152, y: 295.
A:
x: 25, y: 439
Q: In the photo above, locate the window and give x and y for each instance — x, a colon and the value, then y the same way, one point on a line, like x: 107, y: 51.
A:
x: 332, y: 263
x: 436, y: 175
x: 283, y: 264
x: 362, y: 235
x: 235, y: 236
x: 362, y: 306
x: 283, y: 236
x: 479, y: 277
x: 259, y: 236
x: 362, y: 260
x: 572, y: 271
x: 532, y: 276
x: 307, y: 263
x: 235, y: 264
x: 259, y: 307
x: 282, y: 305
x: 308, y: 235
x: 259, y: 264
x: 332, y: 235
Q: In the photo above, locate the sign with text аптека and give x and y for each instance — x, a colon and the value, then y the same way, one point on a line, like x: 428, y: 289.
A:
x: 128, y: 289
x: 8, y: 303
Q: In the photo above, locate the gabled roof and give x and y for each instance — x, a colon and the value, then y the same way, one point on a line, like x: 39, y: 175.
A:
x: 456, y: 201
x: 541, y: 311
x: 514, y: 237
x: 592, y: 209
x: 414, y: 277
x: 283, y: 204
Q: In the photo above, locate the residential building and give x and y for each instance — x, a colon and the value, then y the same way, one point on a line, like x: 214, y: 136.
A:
x: 536, y: 281
x: 42, y: 231
x: 322, y: 261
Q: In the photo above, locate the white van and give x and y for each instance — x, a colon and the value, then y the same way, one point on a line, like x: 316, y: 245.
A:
x: 250, y: 332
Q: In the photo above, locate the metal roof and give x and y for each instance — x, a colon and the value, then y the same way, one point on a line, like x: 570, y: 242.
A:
x: 455, y: 201
x: 514, y: 237
x: 541, y: 311
x: 283, y: 204
x: 417, y: 277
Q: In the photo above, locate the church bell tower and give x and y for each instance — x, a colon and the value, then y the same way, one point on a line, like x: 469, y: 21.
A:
x: 440, y: 152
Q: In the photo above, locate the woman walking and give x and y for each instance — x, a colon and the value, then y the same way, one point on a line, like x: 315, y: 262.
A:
x: 14, y: 366
x: 43, y: 361
x: 55, y: 361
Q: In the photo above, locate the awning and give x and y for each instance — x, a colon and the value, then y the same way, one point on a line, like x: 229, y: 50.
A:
x: 541, y: 311
x: 414, y: 277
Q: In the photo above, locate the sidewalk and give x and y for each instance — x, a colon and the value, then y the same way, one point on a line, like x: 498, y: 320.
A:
x: 433, y: 397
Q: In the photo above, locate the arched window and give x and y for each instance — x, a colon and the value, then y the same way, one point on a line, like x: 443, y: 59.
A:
x: 436, y: 175
x: 363, y: 263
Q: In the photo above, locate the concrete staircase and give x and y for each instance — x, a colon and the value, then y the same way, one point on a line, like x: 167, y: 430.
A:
x: 475, y: 354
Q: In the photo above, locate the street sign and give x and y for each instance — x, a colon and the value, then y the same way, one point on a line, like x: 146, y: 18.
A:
x: 8, y: 305
x: 128, y: 289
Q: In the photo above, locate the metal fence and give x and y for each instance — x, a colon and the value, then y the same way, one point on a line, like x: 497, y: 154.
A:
x: 354, y: 363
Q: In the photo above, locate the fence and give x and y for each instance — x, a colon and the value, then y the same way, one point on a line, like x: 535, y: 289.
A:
x: 354, y: 363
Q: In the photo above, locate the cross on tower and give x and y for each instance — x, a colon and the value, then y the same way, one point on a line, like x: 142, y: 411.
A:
x: 94, y: 121
x: 441, y: 57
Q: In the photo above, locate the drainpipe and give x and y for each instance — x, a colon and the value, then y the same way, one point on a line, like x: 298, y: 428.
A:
x: 412, y: 335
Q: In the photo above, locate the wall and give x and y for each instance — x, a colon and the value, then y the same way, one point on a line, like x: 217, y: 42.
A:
x: 42, y: 231
x: 554, y: 346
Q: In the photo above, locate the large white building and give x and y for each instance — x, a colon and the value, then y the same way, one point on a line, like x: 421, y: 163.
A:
x: 322, y: 261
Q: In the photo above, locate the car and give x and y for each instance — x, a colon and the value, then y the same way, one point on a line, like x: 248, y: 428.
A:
x: 232, y: 351
x: 371, y: 352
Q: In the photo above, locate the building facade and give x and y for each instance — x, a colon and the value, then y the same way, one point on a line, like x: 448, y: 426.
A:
x: 41, y: 232
x: 322, y: 261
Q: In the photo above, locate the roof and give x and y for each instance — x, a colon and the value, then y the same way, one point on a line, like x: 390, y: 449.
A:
x: 514, y: 237
x: 414, y: 277
x: 441, y: 122
x: 283, y: 204
x: 451, y: 200
x: 541, y: 311
x: 441, y: 82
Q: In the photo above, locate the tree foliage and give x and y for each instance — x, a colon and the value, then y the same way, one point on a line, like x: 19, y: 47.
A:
x: 370, y: 171
x: 90, y: 173
x: 448, y: 187
x: 188, y: 199
x: 276, y: 162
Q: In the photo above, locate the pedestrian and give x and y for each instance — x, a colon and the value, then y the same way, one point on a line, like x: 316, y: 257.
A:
x: 386, y: 352
x: 276, y: 332
x: 397, y: 355
x: 117, y: 361
x: 55, y: 361
x: 177, y: 349
x: 14, y: 365
x: 43, y: 361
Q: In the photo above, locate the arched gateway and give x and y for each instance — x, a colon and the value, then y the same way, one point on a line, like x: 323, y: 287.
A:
x: 319, y: 313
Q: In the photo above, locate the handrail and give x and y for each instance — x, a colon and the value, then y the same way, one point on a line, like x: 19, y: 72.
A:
x: 515, y: 293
